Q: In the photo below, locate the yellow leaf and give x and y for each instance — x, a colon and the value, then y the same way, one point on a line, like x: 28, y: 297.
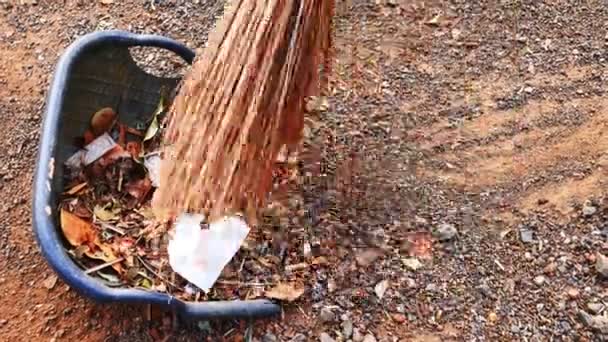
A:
x: 154, y: 126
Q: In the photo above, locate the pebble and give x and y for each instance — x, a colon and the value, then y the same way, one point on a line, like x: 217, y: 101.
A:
x: 431, y: 287
x: 357, y: 337
x: 367, y: 257
x: 269, y: 337
x: 399, y: 318
x: 527, y: 236
x: 589, y: 209
x: 412, y: 263
x: 446, y: 232
x: 550, y: 268
x: 326, y: 338
x: 298, y: 338
x: 326, y: 315
x: 369, y: 338
x: 347, y: 328
x: 3, y: 322
x: 539, y: 280
x: 597, y: 323
x: 594, y: 308
x: 573, y: 293
x: 601, y: 265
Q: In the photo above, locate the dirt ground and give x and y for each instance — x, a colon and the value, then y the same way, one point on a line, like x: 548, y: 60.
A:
x: 480, y: 122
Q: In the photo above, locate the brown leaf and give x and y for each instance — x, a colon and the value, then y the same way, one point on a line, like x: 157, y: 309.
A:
x: 88, y: 137
x: 80, y: 233
x: 134, y: 148
x: 286, y: 292
x: 102, y: 121
x: 77, y: 231
x: 112, y: 156
x: 76, y: 189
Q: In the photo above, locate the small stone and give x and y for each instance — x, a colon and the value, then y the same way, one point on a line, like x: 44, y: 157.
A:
x: 347, y: 328
x: 412, y: 263
x: 573, y: 293
x: 307, y: 250
x: 381, y: 288
x: 597, y: 323
x: 550, y: 268
x: 399, y: 318
x: 527, y: 236
x: 446, y: 232
x: 492, y: 317
x: 331, y: 285
x: 357, y: 337
x: 368, y: 256
x: 326, y: 338
x: 3, y: 322
x: 49, y: 283
x: 539, y: 280
x: 298, y: 338
x: 326, y: 315
x: 601, y: 265
x: 269, y: 337
x: 589, y: 209
x: 369, y: 338
x: 431, y: 288
x: 594, y: 308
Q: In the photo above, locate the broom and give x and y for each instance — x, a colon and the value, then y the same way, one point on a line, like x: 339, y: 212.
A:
x: 241, y: 102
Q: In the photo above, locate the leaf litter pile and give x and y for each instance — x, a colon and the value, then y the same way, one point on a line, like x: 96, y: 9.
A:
x: 106, y: 211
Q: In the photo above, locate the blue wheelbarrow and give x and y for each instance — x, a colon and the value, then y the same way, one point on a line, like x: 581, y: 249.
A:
x: 98, y: 71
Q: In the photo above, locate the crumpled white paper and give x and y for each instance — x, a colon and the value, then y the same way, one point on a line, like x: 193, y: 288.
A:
x: 199, y: 255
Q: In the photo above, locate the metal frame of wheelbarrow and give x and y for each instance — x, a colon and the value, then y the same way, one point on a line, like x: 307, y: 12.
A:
x: 61, y: 122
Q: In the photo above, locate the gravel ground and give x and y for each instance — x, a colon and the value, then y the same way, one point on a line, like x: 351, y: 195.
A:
x: 476, y: 125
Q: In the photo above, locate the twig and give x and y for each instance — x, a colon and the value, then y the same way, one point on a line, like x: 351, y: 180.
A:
x: 240, y: 283
x: 102, y: 266
x: 113, y: 228
x: 149, y: 268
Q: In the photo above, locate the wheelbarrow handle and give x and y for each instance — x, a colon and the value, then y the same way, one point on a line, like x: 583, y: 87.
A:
x: 150, y: 40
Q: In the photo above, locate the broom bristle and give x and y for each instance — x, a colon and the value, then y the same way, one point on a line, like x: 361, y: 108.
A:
x: 241, y: 102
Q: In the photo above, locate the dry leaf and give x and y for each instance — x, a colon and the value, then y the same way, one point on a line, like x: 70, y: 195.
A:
x: 102, y: 121
x: 134, y: 148
x: 286, y: 292
x: 77, y: 231
x: 80, y: 233
x: 76, y: 189
x: 154, y: 126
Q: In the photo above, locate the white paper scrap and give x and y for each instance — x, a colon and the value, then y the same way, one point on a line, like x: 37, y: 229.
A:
x: 98, y: 147
x: 152, y: 163
x: 76, y: 161
x: 199, y: 255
